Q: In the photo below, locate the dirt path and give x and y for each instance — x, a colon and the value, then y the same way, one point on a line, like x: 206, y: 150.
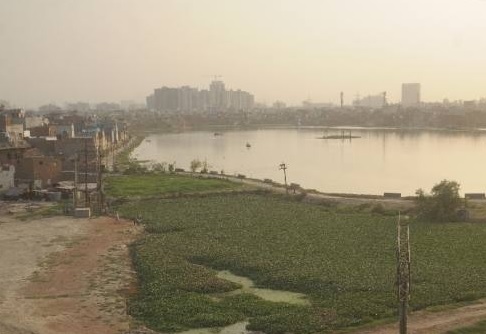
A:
x: 428, y: 322
x: 316, y: 197
x: 64, y: 275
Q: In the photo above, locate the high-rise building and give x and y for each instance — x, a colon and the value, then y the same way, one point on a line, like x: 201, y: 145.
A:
x: 189, y: 100
x: 217, y: 96
x: 410, y: 95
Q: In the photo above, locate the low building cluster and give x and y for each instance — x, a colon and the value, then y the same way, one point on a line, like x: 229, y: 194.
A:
x: 42, y: 151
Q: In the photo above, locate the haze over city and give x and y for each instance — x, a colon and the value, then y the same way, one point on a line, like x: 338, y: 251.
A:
x: 112, y: 50
x: 242, y: 166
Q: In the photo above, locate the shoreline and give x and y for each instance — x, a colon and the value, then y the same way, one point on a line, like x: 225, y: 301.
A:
x: 209, y: 128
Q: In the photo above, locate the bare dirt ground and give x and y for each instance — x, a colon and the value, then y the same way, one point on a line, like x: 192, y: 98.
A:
x: 64, y: 275
x: 428, y: 322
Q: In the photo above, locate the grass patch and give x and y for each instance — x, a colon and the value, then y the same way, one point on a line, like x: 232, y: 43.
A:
x: 151, y: 185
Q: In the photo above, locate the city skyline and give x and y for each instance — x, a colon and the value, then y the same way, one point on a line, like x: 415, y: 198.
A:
x: 106, y: 50
x: 188, y: 99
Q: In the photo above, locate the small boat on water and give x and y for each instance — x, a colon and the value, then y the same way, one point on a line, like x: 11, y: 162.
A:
x: 248, y: 145
x: 218, y: 134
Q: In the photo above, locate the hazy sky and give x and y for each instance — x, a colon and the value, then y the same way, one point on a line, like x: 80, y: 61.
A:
x: 111, y: 50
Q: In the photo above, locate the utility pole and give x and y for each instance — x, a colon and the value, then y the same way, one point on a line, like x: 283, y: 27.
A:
x: 342, y: 100
x: 75, y: 190
x: 112, y: 157
x: 284, y: 167
x: 403, y: 273
x: 100, y: 183
x: 86, y: 196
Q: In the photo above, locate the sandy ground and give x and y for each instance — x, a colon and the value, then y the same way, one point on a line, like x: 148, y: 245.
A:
x: 64, y: 275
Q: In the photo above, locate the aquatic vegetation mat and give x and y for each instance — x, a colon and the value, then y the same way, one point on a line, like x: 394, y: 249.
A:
x: 343, y: 262
x: 157, y: 184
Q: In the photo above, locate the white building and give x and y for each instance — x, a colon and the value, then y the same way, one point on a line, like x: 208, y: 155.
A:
x: 410, y: 95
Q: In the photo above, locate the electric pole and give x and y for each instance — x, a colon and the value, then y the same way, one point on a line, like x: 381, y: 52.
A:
x: 403, y: 272
x: 284, y: 167
x: 86, y: 196
x: 100, y: 183
x: 75, y: 190
x: 112, y: 157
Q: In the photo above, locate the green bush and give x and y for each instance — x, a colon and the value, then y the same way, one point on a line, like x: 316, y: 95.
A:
x: 442, y: 204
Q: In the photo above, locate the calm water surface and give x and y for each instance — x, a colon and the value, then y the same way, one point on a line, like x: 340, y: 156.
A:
x: 380, y: 161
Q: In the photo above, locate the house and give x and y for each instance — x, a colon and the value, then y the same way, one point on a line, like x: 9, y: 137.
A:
x: 62, y: 129
x: 72, y: 153
x: 12, y: 124
x: 12, y: 154
x: 33, y: 121
x: 84, y: 150
x: 38, y: 170
x: 43, y: 131
x: 7, y: 176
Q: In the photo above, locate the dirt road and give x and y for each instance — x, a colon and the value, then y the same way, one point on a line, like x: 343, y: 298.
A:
x: 427, y: 322
x: 64, y: 275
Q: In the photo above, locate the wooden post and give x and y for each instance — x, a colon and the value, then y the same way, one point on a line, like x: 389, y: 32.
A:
x: 403, y: 274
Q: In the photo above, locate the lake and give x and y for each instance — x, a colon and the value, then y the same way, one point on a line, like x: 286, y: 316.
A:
x: 381, y: 160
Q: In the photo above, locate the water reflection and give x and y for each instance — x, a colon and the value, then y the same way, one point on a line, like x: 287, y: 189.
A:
x: 381, y: 160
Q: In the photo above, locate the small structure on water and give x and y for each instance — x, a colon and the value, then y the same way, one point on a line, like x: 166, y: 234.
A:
x: 342, y: 136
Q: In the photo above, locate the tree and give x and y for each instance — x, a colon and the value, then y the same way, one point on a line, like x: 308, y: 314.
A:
x: 205, y: 166
x: 4, y: 104
x: 171, y: 167
x: 442, y: 204
x: 195, y: 165
x: 159, y: 167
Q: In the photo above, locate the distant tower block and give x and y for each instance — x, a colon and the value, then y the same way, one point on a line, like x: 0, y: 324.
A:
x: 410, y: 95
x: 385, y: 102
x: 342, y: 100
